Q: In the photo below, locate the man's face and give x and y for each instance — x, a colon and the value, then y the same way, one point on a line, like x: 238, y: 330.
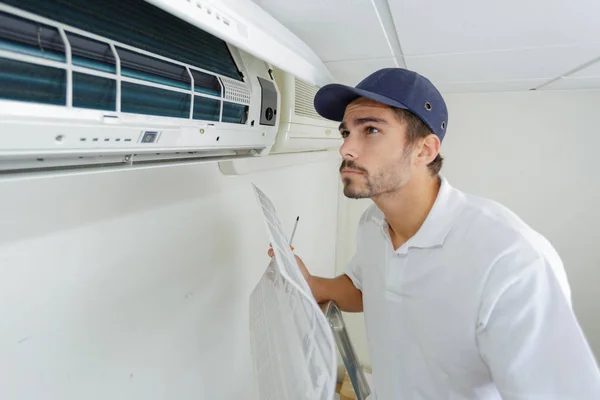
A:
x: 376, y: 158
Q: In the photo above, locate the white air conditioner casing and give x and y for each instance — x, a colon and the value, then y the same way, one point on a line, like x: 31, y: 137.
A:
x: 301, y: 128
x: 36, y: 135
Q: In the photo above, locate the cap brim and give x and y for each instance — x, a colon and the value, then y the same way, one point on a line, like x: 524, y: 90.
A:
x: 331, y: 100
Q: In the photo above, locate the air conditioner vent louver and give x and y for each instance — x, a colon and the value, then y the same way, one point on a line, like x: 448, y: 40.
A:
x: 139, y: 24
x: 304, y: 97
x: 45, y: 61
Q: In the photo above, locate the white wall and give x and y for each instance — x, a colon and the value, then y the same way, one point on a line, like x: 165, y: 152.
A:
x: 537, y: 153
x: 135, y: 284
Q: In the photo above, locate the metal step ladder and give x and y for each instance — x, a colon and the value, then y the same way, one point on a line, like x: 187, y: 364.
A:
x: 355, y: 371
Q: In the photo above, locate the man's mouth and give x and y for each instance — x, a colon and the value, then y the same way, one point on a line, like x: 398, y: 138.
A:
x: 351, y: 171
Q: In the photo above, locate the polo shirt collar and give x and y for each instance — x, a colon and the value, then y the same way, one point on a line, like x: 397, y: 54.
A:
x: 437, y: 225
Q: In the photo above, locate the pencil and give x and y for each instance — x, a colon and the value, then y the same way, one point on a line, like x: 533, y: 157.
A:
x: 294, y: 231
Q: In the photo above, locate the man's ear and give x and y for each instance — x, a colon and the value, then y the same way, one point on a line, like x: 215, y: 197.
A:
x: 430, y: 148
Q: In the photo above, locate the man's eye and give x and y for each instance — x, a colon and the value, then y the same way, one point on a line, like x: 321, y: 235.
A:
x: 372, y: 130
x: 344, y: 134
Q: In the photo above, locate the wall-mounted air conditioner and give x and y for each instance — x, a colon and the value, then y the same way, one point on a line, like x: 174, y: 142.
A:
x: 301, y: 128
x: 87, y: 82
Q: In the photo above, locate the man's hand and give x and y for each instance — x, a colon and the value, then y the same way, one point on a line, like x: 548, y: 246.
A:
x: 303, y: 268
x: 339, y: 289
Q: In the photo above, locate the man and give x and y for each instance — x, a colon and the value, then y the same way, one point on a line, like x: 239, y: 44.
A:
x: 462, y: 300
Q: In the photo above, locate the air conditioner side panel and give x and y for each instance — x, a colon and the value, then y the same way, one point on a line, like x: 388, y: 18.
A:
x: 302, y: 133
x: 259, y: 69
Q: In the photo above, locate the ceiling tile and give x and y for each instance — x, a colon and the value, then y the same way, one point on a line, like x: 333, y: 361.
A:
x: 442, y: 27
x: 537, y: 63
x: 336, y: 30
x: 352, y: 72
x: 592, y: 70
x: 574, y: 84
x: 494, y: 86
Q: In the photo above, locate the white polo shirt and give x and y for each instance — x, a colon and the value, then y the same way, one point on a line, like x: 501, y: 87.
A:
x: 476, y: 305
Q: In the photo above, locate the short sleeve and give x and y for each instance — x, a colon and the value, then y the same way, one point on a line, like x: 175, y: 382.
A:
x: 354, y: 271
x: 529, y: 336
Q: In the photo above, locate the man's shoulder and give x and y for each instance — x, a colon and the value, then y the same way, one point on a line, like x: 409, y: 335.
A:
x: 488, y: 219
x: 499, y: 235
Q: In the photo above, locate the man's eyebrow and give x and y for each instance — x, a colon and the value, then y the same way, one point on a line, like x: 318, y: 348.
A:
x: 362, y: 121
x: 366, y: 120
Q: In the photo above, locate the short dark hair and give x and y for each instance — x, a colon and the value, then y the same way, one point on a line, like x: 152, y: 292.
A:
x: 416, y: 129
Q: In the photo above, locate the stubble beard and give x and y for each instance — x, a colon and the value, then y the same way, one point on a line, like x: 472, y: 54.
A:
x: 352, y: 189
x: 373, y: 187
x: 386, y: 181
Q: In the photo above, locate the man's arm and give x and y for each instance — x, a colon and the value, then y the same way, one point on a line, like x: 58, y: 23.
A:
x: 529, y: 336
x: 339, y: 289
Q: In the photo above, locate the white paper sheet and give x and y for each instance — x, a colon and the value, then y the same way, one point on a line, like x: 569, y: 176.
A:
x: 292, y: 343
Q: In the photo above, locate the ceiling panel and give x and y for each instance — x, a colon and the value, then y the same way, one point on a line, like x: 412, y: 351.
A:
x: 591, y: 71
x: 574, y: 84
x: 461, y: 45
x: 442, y: 27
x: 536, y: 63
x: 497, y: 86
x: 352, y: 72
x: 335, y: 29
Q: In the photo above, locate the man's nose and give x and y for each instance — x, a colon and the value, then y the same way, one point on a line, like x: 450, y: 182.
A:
x: 349, y: 149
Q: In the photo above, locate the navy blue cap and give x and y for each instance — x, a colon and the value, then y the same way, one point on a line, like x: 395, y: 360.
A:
x: 396, y: 87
